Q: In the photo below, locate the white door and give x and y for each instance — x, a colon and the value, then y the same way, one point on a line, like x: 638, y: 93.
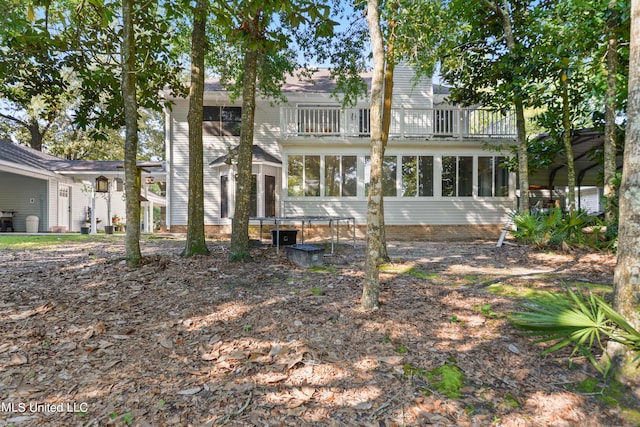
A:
x: 64, y: 207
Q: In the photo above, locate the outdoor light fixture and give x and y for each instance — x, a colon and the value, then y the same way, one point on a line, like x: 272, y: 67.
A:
x: 102, y: 184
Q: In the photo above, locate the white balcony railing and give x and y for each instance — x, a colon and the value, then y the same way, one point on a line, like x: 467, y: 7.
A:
x: 405, y: 122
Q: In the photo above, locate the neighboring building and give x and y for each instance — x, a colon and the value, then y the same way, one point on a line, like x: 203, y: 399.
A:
x: 311, y: 158
x: 60, y: 192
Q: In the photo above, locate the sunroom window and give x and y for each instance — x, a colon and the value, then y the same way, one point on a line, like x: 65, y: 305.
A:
x: 340, y: 176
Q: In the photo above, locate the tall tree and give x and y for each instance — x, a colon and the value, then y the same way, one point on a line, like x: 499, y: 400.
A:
x: 132, y: 173
x: 626, y: 288
x: 484, y: 59
x: 260, y: 36
x: 374, y: 243
x: 610, y: 134
x: 253, y: 26
x: 195, y: 240
x: 33, y: 79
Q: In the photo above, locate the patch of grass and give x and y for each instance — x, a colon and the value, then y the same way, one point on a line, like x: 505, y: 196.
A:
x: 395, y: 268
x: 30, y: 242
x: 511, y: 401
x: 447, y: 379
x: 407, y: 269
x: 511, y: 291
x: 317, y: 291
x: 450, y: 380
x: 612, y: 393
x: 486, y: 311
x: 322, y: 269
x: 401, y: 349
x: 590, y: 385
x: 421, y: 274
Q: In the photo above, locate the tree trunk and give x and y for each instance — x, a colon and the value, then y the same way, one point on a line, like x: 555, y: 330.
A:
x: 195, y: 243
x: 386, y: 125
x: 131, y: 171
x: 240, y: 230
x: 371, y: 287
x: 610, y: 149
x: 523, y: 157
x: 36, y: 135
x: 566, y: 139
x: 626, y: 281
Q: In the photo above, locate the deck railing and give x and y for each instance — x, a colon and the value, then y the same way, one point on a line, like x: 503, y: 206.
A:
x: 405, y: 122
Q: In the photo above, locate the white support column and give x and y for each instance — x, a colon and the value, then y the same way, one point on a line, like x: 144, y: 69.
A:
x: 93, y: 209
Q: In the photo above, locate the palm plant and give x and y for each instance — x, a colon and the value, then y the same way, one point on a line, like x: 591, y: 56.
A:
x: 578, y: 320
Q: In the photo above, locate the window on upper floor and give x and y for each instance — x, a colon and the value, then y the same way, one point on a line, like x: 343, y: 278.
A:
x: 221, y: 121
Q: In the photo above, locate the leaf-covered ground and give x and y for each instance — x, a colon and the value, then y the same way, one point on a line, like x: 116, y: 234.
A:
x: 200, y: 341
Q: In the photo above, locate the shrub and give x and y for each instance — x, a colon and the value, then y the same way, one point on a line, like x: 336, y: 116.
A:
x: 578, y: 320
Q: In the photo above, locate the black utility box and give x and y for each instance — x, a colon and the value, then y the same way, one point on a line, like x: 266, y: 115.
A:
x: 305, y: 255
x: 287, y: 237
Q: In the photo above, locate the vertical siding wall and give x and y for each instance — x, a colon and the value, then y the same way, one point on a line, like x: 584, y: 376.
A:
x: 266, y: 132
x: 18, y: 191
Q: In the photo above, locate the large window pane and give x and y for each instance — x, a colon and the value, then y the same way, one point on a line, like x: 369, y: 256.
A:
x: 409, y: 176
x: 485, y: 176
x: 294, y: 180
x: 425, y: 176
x: 465, y: 176
x: 389, y: 175
x: 332, y: 176
x: 312, y: 175
x: 349, y: 176
x: 218, y: 120
x: 501, y: 178
x: 449, y: 174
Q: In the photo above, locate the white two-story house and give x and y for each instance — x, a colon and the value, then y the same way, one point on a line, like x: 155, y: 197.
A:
x: 442, y: 173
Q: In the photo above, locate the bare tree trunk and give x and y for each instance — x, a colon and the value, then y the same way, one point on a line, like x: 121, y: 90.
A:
x: 523, y: 157
x: 626, y: 281
x: 386, y: 125
x: 240, y: 231
x: 610, y: 149
x: 132, y: 173
x: 371, y: 287
x: 566, y: 139
x: 196, y: 243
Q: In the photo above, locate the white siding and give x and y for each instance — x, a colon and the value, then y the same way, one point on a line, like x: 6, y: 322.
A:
x: 407, y: 92
x: 399, y: 211
x: 52, y: 214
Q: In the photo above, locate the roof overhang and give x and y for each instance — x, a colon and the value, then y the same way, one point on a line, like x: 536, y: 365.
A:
x: 587, y: 145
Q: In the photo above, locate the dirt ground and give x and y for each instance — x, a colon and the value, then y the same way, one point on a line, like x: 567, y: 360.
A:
x: 200, y: 341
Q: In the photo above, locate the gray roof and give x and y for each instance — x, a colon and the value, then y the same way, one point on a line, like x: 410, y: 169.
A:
x: 319, y: 82
x: 26, y: 156
x: 259, y: 155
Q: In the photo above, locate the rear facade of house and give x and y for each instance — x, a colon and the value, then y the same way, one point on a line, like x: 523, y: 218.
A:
x: 442, y: 173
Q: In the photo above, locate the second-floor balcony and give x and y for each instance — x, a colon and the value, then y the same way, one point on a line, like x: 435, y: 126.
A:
x: 327, y: 121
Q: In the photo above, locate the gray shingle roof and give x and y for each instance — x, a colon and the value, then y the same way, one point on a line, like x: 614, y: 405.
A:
x: 320, y: 82
x: 26, y: 156
x: 258, y: 155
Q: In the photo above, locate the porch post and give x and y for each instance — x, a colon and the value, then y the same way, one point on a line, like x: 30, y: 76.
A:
x: 93, y: 209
